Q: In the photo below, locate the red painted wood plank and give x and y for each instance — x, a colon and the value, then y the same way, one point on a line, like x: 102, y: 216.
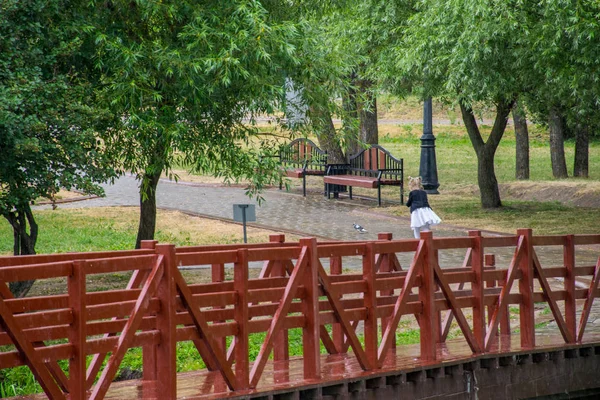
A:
x: 370, y: 302
x: 214, y: 287
x: 53, y: 367
x: 526, y: 309
x: 350, y: 287
x: 226, y: 247
x: 342, y: 316
x: 11, y: 359
x: 36, y: 271
x: 453, y: 243
x: 341, y: 250
x: 589, y: 301
x: 206, y: 258
x: 427, y: 319
x: 219, y: 299
x: 547, y: 240
x: 395, y: 246
x: 279, y: 253
x: 390, y: 333
x: 25, y: 348
x: 311, y: 349
x: 116, y: 310
x: 66, y: 257
x: 569, y: 284
x: 586, y: 239
x: 276, y: 323
x: 124, y: 340
x: 503, y: 301
x: 213, y: 353
x: 77, y: 332
x: 472, y: 340
x: 550, y: 298
x: 477, y: 286
x: 499, y: 241
x: 240, y: 341
x: 120, y: 264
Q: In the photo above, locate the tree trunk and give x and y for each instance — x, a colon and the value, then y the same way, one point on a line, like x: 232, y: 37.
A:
x: 581, y: 164
x: 367, y: 112
x: 23, y: 242
x: 556, y: 125
x: 147, y: 224
x: 486, y: 176
x: 326, y: 134
x: 350, y: 119
x: 522, y: 143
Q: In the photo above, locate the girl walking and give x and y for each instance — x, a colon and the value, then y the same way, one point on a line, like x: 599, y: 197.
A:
x: 422, y: 216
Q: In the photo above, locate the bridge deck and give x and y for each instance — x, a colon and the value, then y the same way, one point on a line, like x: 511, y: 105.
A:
x: 282, y: 376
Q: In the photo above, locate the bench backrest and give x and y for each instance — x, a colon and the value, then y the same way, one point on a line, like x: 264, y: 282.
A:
x: 303, y: 151
x: 373, y: 159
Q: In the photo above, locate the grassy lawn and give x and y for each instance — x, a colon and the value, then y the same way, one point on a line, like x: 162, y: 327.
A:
x: 115, y: 228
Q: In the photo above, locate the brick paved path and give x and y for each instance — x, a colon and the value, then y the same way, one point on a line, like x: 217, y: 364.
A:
x: 313, y: 215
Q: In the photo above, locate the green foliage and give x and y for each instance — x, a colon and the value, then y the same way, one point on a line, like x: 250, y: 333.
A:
x: 182, y: 77
x: 48, y: 120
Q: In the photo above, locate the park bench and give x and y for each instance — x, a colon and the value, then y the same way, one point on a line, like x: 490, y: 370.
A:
x: 372, y: 168
x: 300, y: 158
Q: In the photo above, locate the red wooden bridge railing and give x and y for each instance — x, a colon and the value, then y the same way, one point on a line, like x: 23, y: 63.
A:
x: 357, y: 308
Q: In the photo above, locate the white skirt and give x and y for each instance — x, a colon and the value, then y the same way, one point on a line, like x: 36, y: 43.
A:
x: 423, y: 216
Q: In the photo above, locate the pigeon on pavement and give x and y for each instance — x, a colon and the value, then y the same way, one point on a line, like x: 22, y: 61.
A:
x: 360, y: 229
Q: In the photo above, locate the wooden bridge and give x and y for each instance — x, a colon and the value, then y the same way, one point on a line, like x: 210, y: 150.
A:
x: 348, y: 317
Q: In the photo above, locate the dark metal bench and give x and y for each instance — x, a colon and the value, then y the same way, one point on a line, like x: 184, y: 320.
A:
x: 302, y: 157
x: 371, y: 169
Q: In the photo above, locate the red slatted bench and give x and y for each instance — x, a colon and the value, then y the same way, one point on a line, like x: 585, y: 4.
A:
x: 301, y: 158
x: 371, y: 168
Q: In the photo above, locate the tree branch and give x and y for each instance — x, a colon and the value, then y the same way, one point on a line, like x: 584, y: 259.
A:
x: 472, y: 128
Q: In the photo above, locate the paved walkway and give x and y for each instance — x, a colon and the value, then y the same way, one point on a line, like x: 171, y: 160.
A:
x: 313, y: 215
x: 288, y: 211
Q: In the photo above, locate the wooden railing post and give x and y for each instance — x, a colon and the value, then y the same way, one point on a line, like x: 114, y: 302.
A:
x: 427, y: 319
x: 337, y: 333
x: 166, y: 350
x: 370, y: 302
x: 281, y: 348
x: 526, y: 309
x: 310, y: 305
x: 569, y: 285
x: 77, y: 332
x: 386, y: 266
x: 149, y: 351
x: 148, y: 244
x: 240, y: 285
x: 477, y: 286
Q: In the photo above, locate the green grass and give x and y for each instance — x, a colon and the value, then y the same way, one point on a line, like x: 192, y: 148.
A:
x: 457, y: 162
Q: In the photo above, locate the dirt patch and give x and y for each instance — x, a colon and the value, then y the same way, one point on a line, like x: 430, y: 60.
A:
x: 578, y: 193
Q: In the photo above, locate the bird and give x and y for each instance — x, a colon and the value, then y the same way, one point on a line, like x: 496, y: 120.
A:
x: 360, y: 229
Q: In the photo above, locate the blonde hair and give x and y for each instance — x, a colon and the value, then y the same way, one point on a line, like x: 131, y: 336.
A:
x: 414, y: 183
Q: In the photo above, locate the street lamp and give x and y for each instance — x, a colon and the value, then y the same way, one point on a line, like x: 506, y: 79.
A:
x: 428, y: 165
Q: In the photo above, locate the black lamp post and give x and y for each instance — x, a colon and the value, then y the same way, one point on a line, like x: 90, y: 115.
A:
x: 428, y: 166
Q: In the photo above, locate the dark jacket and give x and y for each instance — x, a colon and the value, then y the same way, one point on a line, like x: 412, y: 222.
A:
x: 417, y: 199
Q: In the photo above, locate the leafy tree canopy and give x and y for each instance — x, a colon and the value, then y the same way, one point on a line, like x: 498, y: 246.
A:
x: 184, y: 78
x: 48, y: 121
